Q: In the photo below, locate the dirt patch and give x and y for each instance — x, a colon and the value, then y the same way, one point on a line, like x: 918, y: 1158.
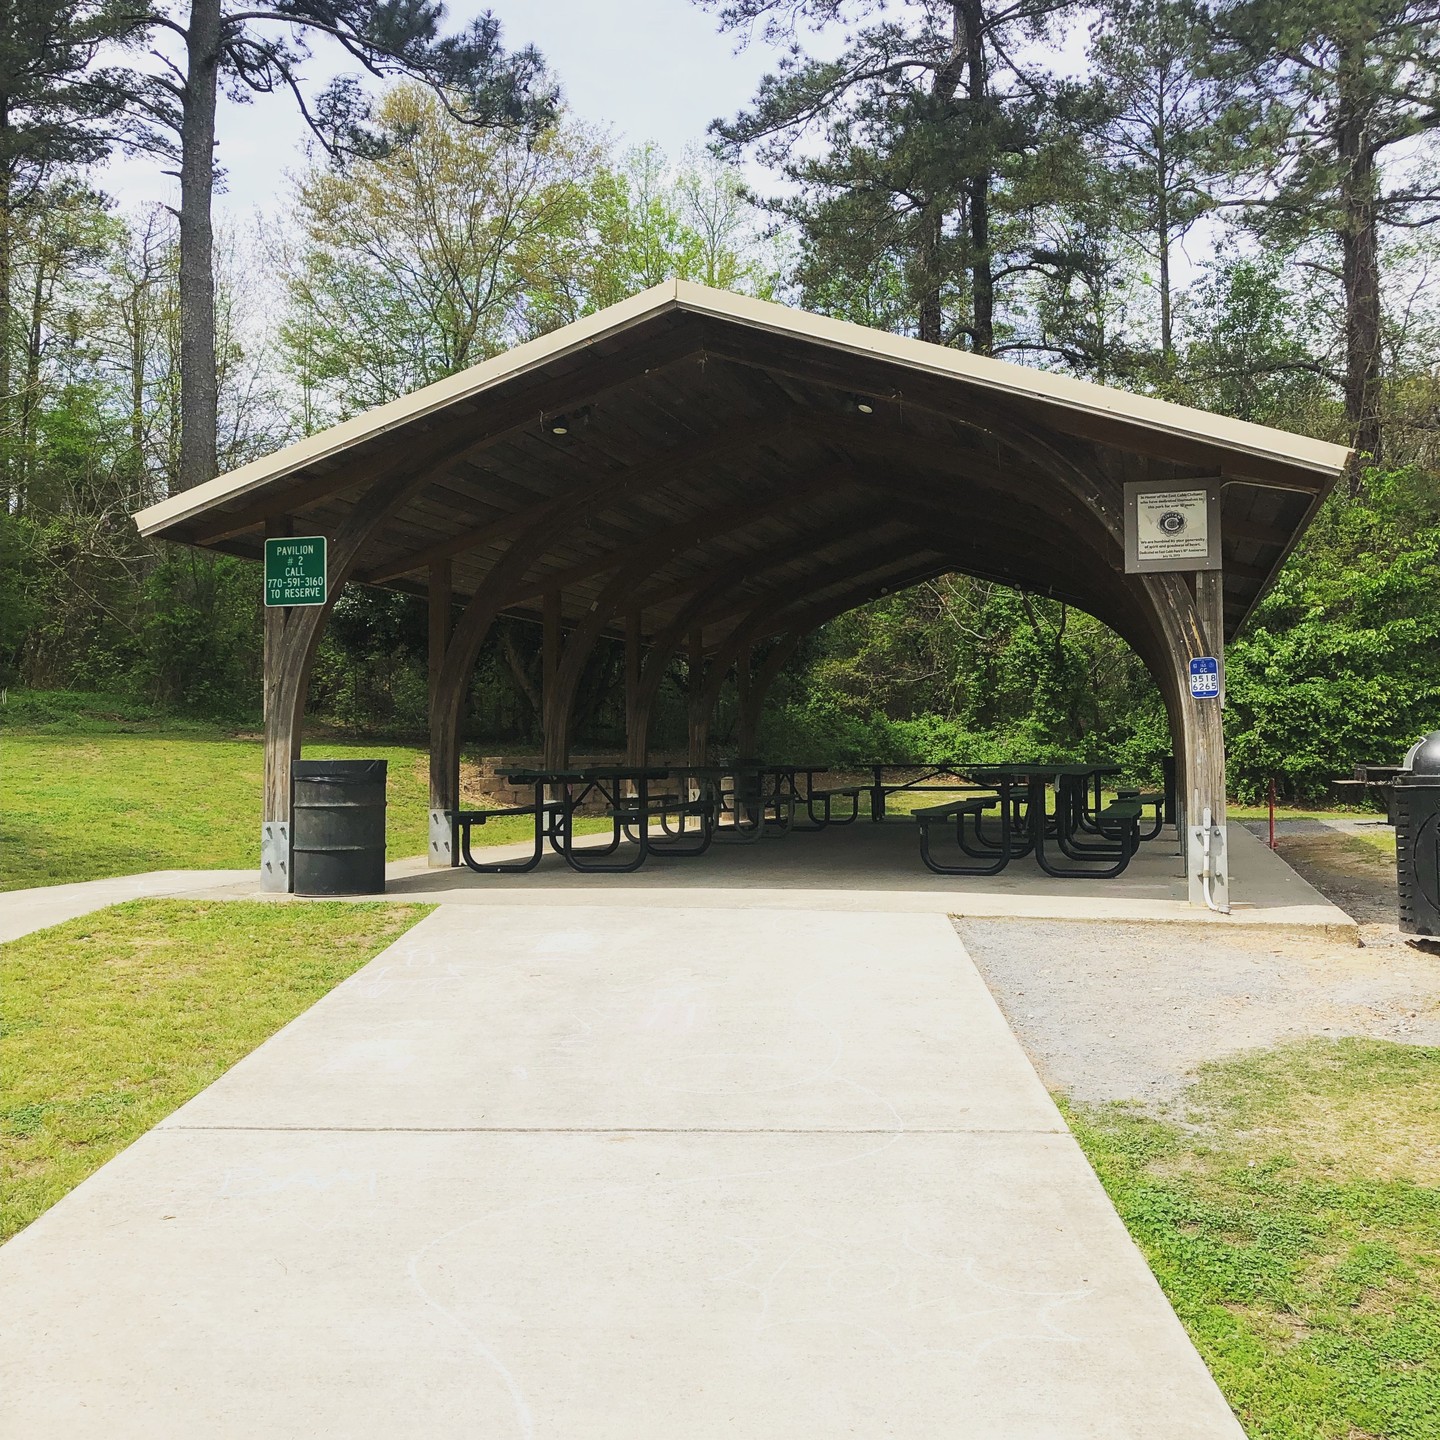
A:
x: 1352, y: 871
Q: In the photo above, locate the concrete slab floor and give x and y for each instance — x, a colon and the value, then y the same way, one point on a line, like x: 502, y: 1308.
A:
x: 865, y: 867
x: 604, y: 1172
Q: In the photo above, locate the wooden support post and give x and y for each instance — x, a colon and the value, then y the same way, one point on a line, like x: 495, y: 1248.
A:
x: 1210, y: 602
x: 442, y: 852
x: 281, y: 746
x: 553, y: 724
x: 632, y: 671
x: 1207, y: 865
x: 744, y: 730
x: 699, y: 713
x: 549, y: 641
x: 440, y: 601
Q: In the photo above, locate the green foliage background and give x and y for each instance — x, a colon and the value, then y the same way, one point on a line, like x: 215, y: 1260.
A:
x: 451, y: 242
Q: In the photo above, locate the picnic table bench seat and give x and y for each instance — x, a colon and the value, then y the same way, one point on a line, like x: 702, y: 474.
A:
x: 462, y: 821
x: 629, y: 815
x: 1148, y: 799
x: 971, y: 807
x: 1125, y: 809
x: 825, y: 799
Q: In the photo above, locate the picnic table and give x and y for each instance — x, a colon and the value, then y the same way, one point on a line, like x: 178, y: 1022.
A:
x: 557, y: 796
x: 1020, y: 793
x: 760, y: 799
x: 1377, y: 781
x: 1084, y: 835
x: 923, y: 781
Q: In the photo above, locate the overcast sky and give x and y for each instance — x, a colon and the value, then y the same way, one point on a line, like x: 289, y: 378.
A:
x: 652, y: 69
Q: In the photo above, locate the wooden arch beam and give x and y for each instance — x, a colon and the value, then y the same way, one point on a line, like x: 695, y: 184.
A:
x: 619, y: 596
x: 694, y: 530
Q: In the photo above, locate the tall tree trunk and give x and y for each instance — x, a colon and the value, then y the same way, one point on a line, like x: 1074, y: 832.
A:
x: 7, y: 320
x: 932, y: 315
x: 30, y: 395
x: 971, y: 14
x: 981, y: 278
x: 137, y: 385
x: 929, y: 264
x: 199, y: 390
x: 1360, y: 268
x: 1162, y: 242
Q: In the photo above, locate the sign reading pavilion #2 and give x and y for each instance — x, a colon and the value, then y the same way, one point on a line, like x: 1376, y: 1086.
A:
x: 295, y: 571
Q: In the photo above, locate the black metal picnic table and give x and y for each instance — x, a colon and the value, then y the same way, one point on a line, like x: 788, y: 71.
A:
x: 919, y: 783
x: 1075, y: 812
x: 629, y: 813
x: 756, y: 789
x: 1019, y: 791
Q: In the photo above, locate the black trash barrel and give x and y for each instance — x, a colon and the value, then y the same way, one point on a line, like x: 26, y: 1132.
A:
x: 1416, y: 798
x: 337, y: 836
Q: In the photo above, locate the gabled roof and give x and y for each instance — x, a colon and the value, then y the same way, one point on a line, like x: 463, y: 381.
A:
x: 701, y: 408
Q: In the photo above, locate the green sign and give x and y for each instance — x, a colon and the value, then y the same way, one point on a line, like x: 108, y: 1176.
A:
x: 295, y: 571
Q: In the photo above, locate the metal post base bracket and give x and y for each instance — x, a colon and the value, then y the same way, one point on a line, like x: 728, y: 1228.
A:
x: 442, y: 853
x: 275, y: 857
x: 1214, y: 867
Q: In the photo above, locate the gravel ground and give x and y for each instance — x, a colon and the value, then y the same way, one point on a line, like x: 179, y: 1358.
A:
x: 1127, y: 1011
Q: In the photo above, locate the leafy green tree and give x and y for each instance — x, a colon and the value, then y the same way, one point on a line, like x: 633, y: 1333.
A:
x: 452, y: 243
x: 1258, y: 351
x: 61, y: 233
x: 1340, y: 94
x: 424, y: 257
x: 1157, y: 133
x: 644, y: 220
x: 58, y: 106
x: 1342, y: 662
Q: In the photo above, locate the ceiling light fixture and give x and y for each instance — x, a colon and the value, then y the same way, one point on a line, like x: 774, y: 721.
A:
x: 860, y: 404
x: 567, y: 423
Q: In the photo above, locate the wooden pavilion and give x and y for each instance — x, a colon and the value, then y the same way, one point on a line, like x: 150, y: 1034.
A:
x: 696, y: 470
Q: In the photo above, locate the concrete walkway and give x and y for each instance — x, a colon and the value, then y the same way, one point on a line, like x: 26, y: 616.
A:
x: 25, y: 911
x: 624, y: 1171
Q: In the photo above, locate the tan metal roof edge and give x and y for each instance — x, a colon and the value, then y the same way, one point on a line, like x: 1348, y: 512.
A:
x: 1001, y: 375
x: 373, y: 423
x: 1022, y: 380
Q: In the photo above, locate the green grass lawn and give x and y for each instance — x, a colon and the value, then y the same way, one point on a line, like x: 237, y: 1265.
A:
x: 1299, y: 812
x: 85, y: 805
x: 91, y: 787
x: 113, y: 1020
x: 1291, y: 1211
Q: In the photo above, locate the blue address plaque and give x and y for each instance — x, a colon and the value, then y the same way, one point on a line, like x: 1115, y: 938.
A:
x: 1205, y: 678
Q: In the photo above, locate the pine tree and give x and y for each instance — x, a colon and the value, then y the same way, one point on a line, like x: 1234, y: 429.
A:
x: 245, y: 49
x: 1340, y: 92
x: 935, y: 141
